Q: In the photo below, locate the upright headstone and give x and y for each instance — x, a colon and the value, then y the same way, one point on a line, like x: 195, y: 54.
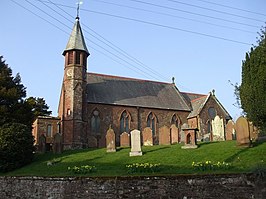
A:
x: 147, y: 137
x: 124, y: 140
x: 135, y: 143
x: 110, y: 140
x: 230, y: 130
x: 57, y: 143
x: 42, y: 144
x: 174, y: 134
x: 182, y: 133
x: 242, y: 131
x: 218, y: 129
x: 164, y: 135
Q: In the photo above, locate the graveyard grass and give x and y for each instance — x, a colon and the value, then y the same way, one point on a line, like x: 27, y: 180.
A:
x: 172, y: 159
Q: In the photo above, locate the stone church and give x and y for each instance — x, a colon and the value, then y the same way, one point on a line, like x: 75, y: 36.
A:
x: 91, y: 103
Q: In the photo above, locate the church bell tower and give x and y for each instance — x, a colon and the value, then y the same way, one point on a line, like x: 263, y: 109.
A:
x: 72, y: 105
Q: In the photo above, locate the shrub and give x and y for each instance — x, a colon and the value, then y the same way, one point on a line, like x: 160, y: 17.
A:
x: 16, y: 146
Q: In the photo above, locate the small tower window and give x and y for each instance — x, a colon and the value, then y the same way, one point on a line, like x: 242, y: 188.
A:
x: 84, y: 60
x: 68, y: 112
x: 77, y: 61
x: 70, y: 57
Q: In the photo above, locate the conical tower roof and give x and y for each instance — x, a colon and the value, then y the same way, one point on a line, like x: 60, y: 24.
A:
x: 76, y: 40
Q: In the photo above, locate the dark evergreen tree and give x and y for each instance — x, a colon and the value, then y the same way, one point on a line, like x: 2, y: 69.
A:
x: 16, y: 117
x: 39, y: 106
x: 16, y: 146
x: 252, y: 90
x: 13, y: 107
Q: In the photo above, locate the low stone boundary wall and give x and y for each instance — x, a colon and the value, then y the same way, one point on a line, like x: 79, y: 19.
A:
x: 240, y: 186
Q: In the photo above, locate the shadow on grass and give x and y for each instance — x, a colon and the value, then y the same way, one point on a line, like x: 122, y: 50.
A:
x: 122, y: 148
x: 243, y: 149
x: 154, y: 150
x: 50, y: 156
x: 205, y: 143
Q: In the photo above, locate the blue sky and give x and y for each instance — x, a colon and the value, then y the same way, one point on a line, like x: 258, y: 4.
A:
x: 201, y: 44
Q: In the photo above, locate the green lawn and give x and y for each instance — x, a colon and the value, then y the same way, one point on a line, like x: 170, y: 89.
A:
x: 172, y: 159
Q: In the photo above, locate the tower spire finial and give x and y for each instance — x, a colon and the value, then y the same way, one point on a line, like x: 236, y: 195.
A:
x: 78, y: 3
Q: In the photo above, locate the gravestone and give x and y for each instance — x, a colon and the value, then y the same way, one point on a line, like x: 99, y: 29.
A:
x: 57, y: 143
x: 182, y: 133
x: 42, y: 144
x: 164, y: 135
x: 92, y: 141
x: 242, y: 131
x: 110, y: 140
x: 174, y: 134
x: 124, y: 140
x: 218, y: 129
x: 147, y: 137
x: 230, y: 130
x: 135, y: 143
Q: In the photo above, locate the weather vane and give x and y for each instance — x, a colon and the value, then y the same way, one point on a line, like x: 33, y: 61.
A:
x: 78, y: 3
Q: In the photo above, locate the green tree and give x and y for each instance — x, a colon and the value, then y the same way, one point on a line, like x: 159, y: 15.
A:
x: 252, y: 90
x: 16, y: 117
x: 39, y: 106
x: 16, y: 146
x: 13, y: 107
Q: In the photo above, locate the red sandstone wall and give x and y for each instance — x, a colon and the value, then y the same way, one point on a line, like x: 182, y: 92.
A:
x: 193, y: 122
x: 110, y: 114
x: 40, y: 128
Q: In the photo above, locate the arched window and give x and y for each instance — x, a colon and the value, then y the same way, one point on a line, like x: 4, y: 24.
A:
x: 151, y: 122
x: 175, y: 120
x: 95, y: 122
x: 124, y: 122
x: 212, y: 112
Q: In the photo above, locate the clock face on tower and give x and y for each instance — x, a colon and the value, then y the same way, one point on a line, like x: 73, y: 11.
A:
x: 69, y: 72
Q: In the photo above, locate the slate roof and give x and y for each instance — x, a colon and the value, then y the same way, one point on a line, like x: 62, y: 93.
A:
x: 191, y: 96
x: 197, y: 102
x: 76, y: 40
x: 115, y: 90
x: 197, y: 105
